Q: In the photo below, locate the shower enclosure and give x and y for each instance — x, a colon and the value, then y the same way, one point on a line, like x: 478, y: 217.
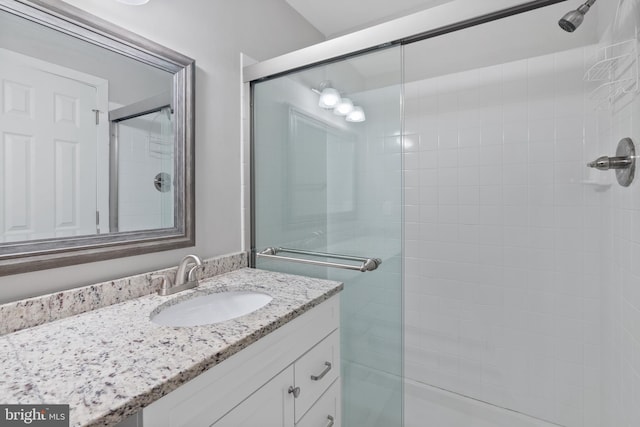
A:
x: 141, y: 187
x: 508, y: 294
x: 324, y: 184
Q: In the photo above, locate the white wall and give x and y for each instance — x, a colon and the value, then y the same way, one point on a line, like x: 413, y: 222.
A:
x: 214, y: 33
x: 129, y: 80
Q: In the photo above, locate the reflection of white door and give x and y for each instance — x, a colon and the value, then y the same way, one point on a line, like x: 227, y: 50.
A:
x: 48, y: 155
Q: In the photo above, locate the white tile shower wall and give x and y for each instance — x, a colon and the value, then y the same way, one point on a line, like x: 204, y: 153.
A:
x: 621, y: 222
x: 502, y: 273
x: 621, y: 293
x: 141, y: 206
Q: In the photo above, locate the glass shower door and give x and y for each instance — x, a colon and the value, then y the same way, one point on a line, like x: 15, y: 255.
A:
x: 325, y: 182
x: 142, y: 196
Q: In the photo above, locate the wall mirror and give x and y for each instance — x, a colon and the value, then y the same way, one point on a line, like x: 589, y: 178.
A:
x: 96, y: 140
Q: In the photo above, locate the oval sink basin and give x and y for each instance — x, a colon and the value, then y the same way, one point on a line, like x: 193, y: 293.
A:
x: 210, y: 309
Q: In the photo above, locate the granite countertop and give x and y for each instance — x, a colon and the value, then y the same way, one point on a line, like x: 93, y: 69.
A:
x: 109, y: 363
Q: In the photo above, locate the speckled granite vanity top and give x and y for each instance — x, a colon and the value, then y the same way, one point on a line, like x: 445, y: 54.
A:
x: 109, y: 363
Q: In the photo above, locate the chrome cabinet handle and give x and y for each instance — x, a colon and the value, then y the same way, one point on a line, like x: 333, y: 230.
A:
x: 323, y: 373
x: 330, y: 418
x: 294, y: 390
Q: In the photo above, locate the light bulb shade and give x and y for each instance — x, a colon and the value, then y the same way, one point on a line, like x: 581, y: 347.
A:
x: 356, y: 115
x: 344, y: 107
x: 134, y: 2
x: 329, y: 98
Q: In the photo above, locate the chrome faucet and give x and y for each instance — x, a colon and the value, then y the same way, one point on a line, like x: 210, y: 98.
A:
x: 182, y: 268
x: 185, y: 277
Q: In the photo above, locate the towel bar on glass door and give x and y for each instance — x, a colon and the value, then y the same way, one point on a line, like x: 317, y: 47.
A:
x: 368, y: 264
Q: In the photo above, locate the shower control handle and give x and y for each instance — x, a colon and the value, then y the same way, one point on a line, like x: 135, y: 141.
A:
x: 605, y: 163
x: 624, y: 163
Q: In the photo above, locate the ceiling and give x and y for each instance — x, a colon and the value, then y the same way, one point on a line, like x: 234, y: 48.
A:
x: 338, y: 17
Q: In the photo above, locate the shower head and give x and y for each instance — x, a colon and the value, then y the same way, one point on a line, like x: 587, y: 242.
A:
x: 573, y: 19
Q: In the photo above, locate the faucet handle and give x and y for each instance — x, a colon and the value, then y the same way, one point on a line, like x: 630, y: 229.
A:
x: 192, y: 274
x: 165, y: 284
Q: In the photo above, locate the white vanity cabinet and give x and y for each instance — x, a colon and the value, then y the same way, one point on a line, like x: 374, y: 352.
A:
x: 287, y: 399
x: 291, y: 377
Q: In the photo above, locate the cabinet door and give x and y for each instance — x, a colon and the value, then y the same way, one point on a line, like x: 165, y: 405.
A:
x: 269, y: 406
x: 326, y: 412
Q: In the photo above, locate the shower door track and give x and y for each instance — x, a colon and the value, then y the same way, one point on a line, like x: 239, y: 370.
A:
x: 375, y: 38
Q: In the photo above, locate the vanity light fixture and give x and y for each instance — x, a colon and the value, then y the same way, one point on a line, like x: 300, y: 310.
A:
x: 133, y: 2
x: 329, y: 98
x: 356, y: 115
x: 344, y: 107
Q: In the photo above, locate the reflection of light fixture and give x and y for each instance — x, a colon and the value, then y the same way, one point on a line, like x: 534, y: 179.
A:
x: 329, y: 98
x: 344, y: 107
x: 134, y: 2
x: 356, y: 115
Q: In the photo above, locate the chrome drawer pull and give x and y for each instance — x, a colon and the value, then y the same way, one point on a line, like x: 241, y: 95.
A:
x: 323, y: 373
x: 330, y: 418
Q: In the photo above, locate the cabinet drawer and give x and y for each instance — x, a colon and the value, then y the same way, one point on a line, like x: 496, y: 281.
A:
x: 315, y: 371
x: 326, y: 411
